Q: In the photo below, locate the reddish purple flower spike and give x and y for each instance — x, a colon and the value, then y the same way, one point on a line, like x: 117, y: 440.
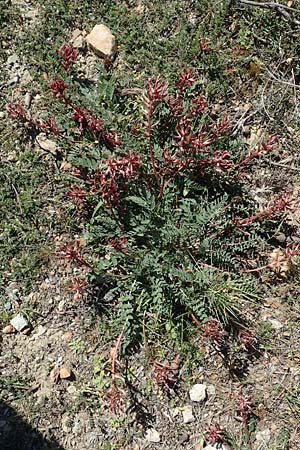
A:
x: 213, y: 330
x: 79, y: 116
x: 247, y: 339
x: 70, y: 252
x: 214, y: 434
x: 78, y: 286
x: 78, y: 195
x: 156, y: 91
x: 58, y: 88
x: 51, y: 125
x: 119, y: 245
x: 244, y: 405
x: 185, y: 80
x: 16, y: 112
x: 69, y: 54
x: 222, y: 161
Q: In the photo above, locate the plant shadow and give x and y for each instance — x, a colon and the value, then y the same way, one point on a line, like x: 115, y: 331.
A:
x: 16, y: 434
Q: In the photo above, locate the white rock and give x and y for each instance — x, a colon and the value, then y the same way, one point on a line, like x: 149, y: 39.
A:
x: 102, y: 41
x: 152, y: 435
x: 264, y: 436
x: 275, y: 324
x: 211, y: 389
x: 12, y: 59
x: 174, y: 412
x: 46, y: 144
x: 187, y: 413
x: 198, y: 393
x: 19, y: 322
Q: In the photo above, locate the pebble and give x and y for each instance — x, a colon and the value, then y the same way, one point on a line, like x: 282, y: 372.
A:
x: 275, y: 324
x: 12, y: 60
x: 2, y: 114
x: 211, y: 389
x: 14, y: 80
x: 174, y: 412
x: 187, y: 413
x: 7, y: 306
x: 9, y: 329
x: 198, y: 393
x: 47, y: 145
x: 102, y: 41
x: 152, y: 435
x: 19, y: 322
x: 183, y: 438
x: 27, y: 100
x: 281, y: 237
x: 65, y: 373
x: 263, y: 436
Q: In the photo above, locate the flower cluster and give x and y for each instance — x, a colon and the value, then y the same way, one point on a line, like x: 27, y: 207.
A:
x: 213, y: 331
x: 16, y: 112
x: 58, y: 88
x: 214, y: 434
x: 70, y: 252
x: 282, y: 203
x: 69, y: 55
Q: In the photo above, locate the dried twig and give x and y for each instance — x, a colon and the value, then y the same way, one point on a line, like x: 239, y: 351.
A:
x: 284, y: 166
x: 269, y: 5
x: 282, y: 9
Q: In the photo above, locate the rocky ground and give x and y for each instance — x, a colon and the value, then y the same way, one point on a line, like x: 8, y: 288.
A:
x: 54, y: 367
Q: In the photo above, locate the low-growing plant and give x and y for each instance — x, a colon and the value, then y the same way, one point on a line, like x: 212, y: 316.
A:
x: 245, y: 409
x: 168, y: 217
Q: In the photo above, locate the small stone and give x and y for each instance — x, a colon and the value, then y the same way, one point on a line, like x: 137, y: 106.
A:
x: 71, y: 389
x: 211, y: 389
x: 75, y: 34
x: 46, y: 144
x: 12, y: 292
x: 2, y: 114
x: 295, y: 239
x: 9, y: 329
x: 264, y: 436
x: 19, y: 322
x: 275, y: 324
x: 152, y: 435
x: 14, y: 80
x: 198, y: 393
x: 7, y: 306
x: 54, y: 375
x: 65, y: 373
x: 40, y: 331
x: 27, y: 101
x: 281, y: 237
x: 183, y: 438
x: 102, y: 41
x: 174, y: 412
x: 66, y: 424
x: 79, y: 42
x: 26, y: 78
x: 12, y: 60
x: 187, y: 413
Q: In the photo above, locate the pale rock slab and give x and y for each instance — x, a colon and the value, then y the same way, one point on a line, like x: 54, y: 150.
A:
x: 264, y: 436
x: 198, y: 392
x: 187, y: 413
x: 102, y: 41
x: 152, y: 435
x: 19, y: 322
